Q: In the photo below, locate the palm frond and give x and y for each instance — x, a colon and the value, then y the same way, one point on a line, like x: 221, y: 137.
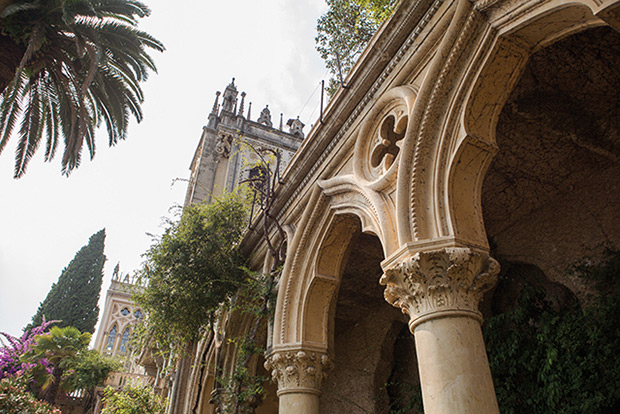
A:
x: 10, y: 109
x: 31, y: 129
x: 83, y: 66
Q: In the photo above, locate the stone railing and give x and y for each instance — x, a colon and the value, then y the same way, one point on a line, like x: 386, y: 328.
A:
x: 120, y: 379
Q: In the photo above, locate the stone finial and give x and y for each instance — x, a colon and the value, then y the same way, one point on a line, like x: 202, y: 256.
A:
x: 265, y: 117
x: 296, y: 127
x: 240, y: 113
x: 249, y: 110
x: 281, y: 124
x: 298, y: 370
x: 115, y: 274
x: 229, y: 100
x: 216, y: 103
x: 450, y: 281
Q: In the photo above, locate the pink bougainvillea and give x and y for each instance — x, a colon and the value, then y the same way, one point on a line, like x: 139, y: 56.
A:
x: 13, y: 348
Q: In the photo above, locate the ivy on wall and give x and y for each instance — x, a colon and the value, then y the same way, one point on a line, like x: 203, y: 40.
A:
x: 567, y: 360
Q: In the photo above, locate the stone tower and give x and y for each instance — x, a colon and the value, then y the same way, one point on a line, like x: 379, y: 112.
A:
x: 223, y: 155
x: 120, y: 315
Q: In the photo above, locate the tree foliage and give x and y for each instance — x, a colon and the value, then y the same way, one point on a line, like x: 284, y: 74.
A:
x: 89, y: 370
x: 67, y: 67
x: 73, y: 299
x: 345, y: 29
x: 49, y: 363
x: 546, y: 360
x: 60, y: 348
x: 191, y: 270
x: 132, y: 400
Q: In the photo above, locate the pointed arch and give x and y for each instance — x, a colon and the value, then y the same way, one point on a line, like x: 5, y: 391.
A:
x: 338, y: 209
x: 122, y: 347
x: 478, y: 63
x: 109, y: 344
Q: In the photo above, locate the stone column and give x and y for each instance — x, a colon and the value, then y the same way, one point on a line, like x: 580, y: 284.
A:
x: 299, y: 374
x: 440, y: 291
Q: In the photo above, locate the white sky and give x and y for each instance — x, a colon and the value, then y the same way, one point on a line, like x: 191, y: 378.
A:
x: 45, y: 218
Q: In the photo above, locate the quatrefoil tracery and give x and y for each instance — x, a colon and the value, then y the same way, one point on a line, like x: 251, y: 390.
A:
x: 390, y: 133
x: 383, y: 133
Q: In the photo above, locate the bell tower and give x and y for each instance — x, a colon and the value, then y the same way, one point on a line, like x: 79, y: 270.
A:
x: 221, y: 160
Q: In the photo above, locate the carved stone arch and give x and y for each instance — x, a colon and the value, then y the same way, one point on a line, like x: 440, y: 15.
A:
x: 315, y: 258
x: 374, y: 210
x: 479, y: 62
x: 503, y: 64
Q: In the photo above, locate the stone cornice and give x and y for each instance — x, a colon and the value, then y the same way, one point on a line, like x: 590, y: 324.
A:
x: 440, y: 283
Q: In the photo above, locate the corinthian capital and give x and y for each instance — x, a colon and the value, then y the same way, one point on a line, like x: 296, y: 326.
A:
x: 440, y: 283
x: 298, y: 370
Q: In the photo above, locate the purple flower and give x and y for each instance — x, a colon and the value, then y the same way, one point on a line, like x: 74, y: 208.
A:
x: 10, y: 352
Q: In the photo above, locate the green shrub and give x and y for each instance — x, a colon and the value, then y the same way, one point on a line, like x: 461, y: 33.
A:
x: 16, y: 399
x: 559, y: 361
x: 132, y: 400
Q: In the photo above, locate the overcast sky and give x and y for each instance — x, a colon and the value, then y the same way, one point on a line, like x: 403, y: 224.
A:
x: 45, y: 218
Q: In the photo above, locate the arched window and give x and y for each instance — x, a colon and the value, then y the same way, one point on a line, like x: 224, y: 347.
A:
x: 125, y: 312
x: 138, y: 314
x: 109, y: 345
x: 124, y: 340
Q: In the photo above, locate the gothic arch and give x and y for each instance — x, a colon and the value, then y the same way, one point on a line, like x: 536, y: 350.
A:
x: 337, y: 209
x: 478, y: 63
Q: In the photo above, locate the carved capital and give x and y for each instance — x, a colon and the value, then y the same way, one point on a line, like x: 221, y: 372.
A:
x: 298, y: 370
x: 440, y: 283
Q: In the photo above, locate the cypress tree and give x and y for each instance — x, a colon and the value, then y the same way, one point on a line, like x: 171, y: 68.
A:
x: 73, y: 299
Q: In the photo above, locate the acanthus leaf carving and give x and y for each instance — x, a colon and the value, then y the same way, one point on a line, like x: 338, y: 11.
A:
x: 429, y: 284
x: 298, y: 370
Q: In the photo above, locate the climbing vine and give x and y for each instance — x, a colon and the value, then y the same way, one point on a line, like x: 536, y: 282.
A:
x: 258, y: 297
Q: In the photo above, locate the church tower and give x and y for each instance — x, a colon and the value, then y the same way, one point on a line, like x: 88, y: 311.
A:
x: 120, y: 315
x: 221, y: 159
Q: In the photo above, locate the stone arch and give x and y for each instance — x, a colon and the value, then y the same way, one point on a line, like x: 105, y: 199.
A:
x: 479, y: 61
x: 548, y: 194
x: 337, y: 209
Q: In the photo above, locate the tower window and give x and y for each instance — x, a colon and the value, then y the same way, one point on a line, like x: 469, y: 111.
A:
x: 124, y: 341
x: 109, y: 345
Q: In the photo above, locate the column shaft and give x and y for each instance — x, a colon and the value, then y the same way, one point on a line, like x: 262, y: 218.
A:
x: 440, y: 291
x: 454, y: 369
x: 299, y: 403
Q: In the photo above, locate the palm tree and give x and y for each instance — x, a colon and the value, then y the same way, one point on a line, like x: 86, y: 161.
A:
x: 59, y: 349
x: 66, y: 67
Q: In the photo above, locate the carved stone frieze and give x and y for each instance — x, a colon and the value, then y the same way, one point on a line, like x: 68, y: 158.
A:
x: 441, y: 282
x: 298, y: 370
